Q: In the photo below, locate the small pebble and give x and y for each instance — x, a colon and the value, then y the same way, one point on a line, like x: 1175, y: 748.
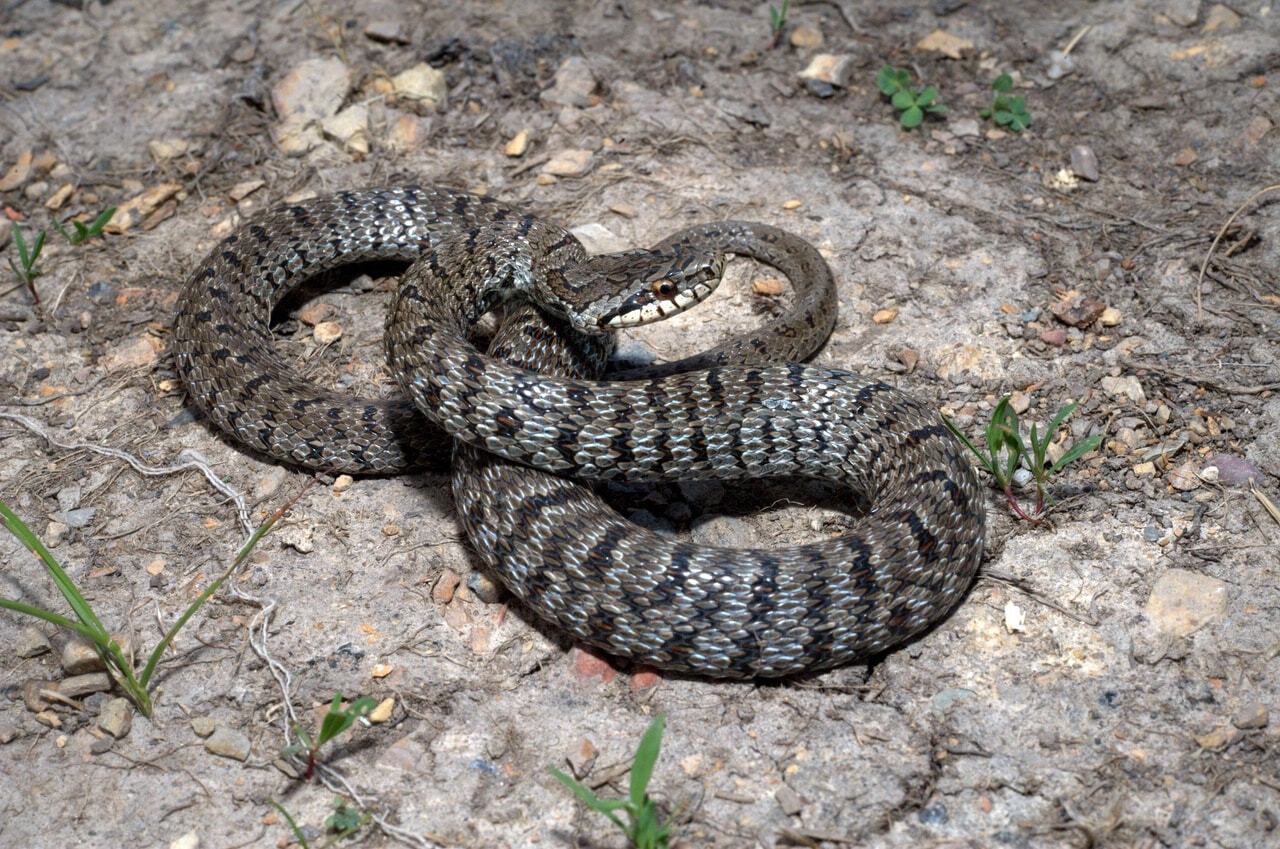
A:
x: 203, y: 726
x: 228, y: 743
x: 517, y: 145
x: 327, y: 332
x: 934, y: 815
x: 1084, y: 163
x: 116, y: 717
x: 421, y: 84
x: 1251, y: 715
x: 581, y: 757
x: 190, y: 840
x: 568, y: 163
x: 78, y: 686
x: 1184, y: 477
x: 485, y: 588
x: 446, y: 586
x: 788, y: 800
x: 1056, y: 337
x: 31, y: 642
x: 835, y: 69
x: 573, y: 85
x: 79, y: 655
x: 806, y: 37
x: 884, y: 316
x: 382, y: 712
x: 387, y: 32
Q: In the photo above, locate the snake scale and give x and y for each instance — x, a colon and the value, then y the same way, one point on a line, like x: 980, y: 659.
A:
x: 523, y: 422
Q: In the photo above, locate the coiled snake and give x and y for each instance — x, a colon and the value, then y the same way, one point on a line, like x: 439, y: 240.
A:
x: 733, y: 613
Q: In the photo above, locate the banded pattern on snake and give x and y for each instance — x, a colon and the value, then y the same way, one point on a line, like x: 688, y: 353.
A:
x: 709, y: 611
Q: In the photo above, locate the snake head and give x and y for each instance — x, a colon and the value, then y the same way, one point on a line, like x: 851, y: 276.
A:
x: 651, y: 285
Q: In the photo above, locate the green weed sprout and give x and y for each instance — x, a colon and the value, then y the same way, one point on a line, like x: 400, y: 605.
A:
x: 1006, y: 450
x: 337, y: 720
x: 25, y: 268
x: 778, y: 21
x: 1008, y: 111
x: 90, y: 627
x: 643, y: 829
x: 344, y: 821
x: 81, y: 232
x: 895, y: 84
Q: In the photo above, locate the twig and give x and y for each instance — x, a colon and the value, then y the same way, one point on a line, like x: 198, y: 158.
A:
x: 1075, y: 39
x: 187, y: 461
x: 1218, y: 238
x: 1267, y: 503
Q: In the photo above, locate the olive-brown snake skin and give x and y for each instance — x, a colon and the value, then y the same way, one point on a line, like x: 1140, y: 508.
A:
x: 902, y: 562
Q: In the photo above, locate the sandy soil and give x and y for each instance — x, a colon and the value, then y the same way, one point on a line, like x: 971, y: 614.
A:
x: 1113, y: 678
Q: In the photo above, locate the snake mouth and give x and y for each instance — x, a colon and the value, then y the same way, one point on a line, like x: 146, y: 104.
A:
x: 647, y: 307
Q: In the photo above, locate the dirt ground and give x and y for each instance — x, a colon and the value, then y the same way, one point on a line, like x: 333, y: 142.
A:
x: 1113, y: 677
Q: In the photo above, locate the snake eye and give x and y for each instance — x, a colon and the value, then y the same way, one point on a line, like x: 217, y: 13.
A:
x: 665, y: 289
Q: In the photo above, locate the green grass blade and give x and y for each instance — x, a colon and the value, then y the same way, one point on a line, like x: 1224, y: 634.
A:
x: 334, y: 722
x: 101, y: 221
x: 169, y: 635
x: 65, y: 585
x: 21, y: 243
x: 646, y: 758
x: 591, y: 800
x: 50, y: 617
x: 1038, y: 449
x: 1061, y: 417
x: 1075, y: 452
x: 36, y: 247
x: 982, y: 461
x: 297, y: 832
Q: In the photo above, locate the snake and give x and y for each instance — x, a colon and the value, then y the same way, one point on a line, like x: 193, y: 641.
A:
x: 531, y: 423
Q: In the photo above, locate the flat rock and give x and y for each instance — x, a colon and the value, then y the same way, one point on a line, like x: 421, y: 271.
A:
x: 79, y: 686
x: 228, y: 743
x: 31, y: 642
x: 116, y: 717
x: 573, y: 84
x: 308, y: 93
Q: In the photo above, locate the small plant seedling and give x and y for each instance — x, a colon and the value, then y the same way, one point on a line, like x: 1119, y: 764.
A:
x: 1007, y: 110
x: 895, y: 83
x: 82, y: 232
x: 778, y: 21
x: 25, y: 268
x: 1006, y: 450
x: 344, y: 822
x: 90, y: 626
x: 642, y: 828
x: 337, y: 720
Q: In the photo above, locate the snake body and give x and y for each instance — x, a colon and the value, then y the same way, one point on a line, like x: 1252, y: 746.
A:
x: 526, y: 422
